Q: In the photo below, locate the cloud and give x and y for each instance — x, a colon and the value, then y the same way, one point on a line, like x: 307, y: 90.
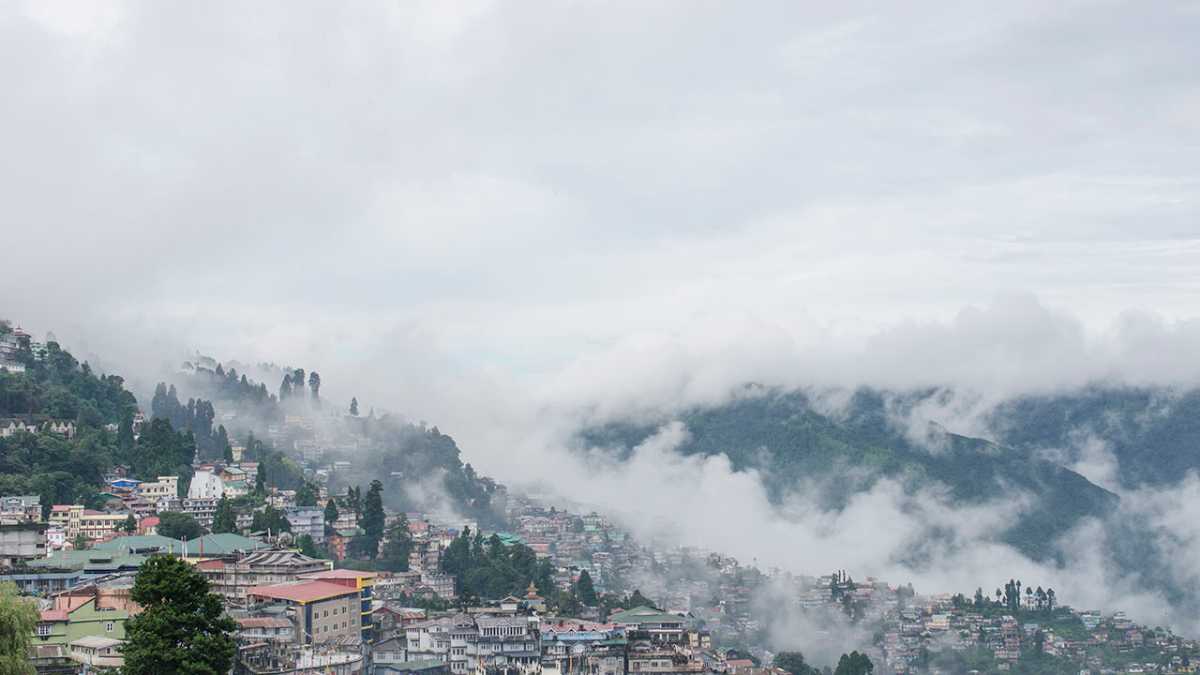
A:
x: 511, y: 219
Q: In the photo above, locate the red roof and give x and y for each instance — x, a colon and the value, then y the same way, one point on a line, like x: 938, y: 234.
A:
x: 54, y: 615
x: 339, y: 574
x: 309, y: 591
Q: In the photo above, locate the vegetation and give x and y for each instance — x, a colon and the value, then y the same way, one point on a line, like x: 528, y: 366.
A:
x: 182, y: 627
x: 225, y: 519
x: 789, y: 440
x: 491, y: 570
x: 794, y: 663
x: 178, y: 525
x: 18, y: 619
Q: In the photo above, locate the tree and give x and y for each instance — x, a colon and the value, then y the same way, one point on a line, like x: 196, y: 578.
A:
x: 260, y: 479
x: 585, y: 590
x: 224, y: 520
x: 18, y: 620
x: 331, y: 512
x: 81, y: 542
x: 854, y: 664
x: 182, y: 627
x: 130, y: 524
x: 354, y: 406
x: 271, y: 519
x: 793, y: 662
x: 354, y: 500
x: 372, y: 519
x: 398, y: 545
x: 285, y: 387
x: 178, y: 525
x: 314, y: 385
x: 307, y: 546
x: 306, y: 495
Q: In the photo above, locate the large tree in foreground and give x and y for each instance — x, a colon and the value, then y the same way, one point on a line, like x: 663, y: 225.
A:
x: 182, y: 627
x: 18, y: 619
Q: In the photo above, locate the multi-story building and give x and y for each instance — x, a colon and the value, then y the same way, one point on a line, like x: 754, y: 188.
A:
x: 233, y: 577
x: 21, y: 508
x: 321, y: 611
x: 165, y: 486
x: 361, y: 582
x: 307, y: 520
x: 74, y: 520
x: 202, y: 509
x: 21, y: 542
x: 505, y: 645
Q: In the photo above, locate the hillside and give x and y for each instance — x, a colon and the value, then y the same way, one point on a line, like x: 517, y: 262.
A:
x: 791, y: 442
x: 1154, y: 433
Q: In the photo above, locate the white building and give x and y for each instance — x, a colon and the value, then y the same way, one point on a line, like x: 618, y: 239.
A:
x: 206, y: 485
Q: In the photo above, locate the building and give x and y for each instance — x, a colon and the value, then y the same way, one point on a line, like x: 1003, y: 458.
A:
x: 97, y: 652
x: 321, y: 611
x: 21, y: 508
x: 307, y: 520
x: 232, y: 577
x: 21, y: 543
x: 504, y: 644
x: 362, y: 583
x: 165, y: 486
x: 206, y: 485
x: 202, y: 509
x: 100, y: 524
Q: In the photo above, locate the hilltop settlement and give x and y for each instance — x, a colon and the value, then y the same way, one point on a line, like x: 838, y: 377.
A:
x: 315, y: 527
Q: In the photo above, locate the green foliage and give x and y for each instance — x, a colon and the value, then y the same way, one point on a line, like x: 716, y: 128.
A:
x: 307, y: 546
x: 162, y: 451
x: 178, y: 525
x: 130, y: 524
x: 331, y: 512
x: 307, y: 494
x: 585, y: 590
x: 59, y: 387
x: 271, y: 519
x: 793, y: 662
x: 492, y: 570
x: 397, y: 545
x: 225, y: 519
x: 854, y: 663
x: 789, y: 440
x: 182, y: 627
x: 401, y: 449
x: 18, y: 619
x: 373, y: 518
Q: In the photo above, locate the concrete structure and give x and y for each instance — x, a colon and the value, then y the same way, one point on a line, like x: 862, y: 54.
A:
x: 232, y: 577
x: 307, y: 520
x: 165, y: 486
x: 19, y: 508
x: 21, y: 542
x: 97, y: 652
x: 362, y: 583
x: 321, y: 611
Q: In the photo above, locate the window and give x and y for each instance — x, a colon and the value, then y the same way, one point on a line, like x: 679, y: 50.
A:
x: 108, y: 626
x: 43, y: 629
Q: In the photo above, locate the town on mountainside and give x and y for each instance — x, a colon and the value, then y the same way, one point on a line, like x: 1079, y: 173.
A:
x: 300, y: 516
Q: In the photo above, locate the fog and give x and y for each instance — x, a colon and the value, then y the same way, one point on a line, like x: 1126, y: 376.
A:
x: 511, y: 220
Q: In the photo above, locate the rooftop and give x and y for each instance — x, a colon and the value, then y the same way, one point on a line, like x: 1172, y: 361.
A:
x: 340, y: 574
x: 302, y: 592
x: 96, y: 642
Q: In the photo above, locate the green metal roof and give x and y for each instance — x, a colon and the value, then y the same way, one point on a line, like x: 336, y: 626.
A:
x: 141, y: 542
x: 222, y: 544
x: 639, y: 615
x: 89, y: 560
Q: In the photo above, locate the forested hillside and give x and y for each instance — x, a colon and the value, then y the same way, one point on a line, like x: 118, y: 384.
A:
x: 795, y: 445
x: 1154, y: 433
x: 69, y: 468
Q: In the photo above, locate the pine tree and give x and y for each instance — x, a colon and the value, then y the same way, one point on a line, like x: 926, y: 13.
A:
x: 585, y: 590
x: 224, y: 520
x: 182, y: 627
x: 372, y: 518
x: 260, y: 479
x: 354, y: 406
x: 331, y: 513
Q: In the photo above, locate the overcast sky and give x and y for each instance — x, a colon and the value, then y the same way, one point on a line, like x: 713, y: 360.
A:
x: 523, y: 189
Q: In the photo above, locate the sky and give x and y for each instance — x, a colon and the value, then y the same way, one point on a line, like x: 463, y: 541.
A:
x: 499, y: 216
